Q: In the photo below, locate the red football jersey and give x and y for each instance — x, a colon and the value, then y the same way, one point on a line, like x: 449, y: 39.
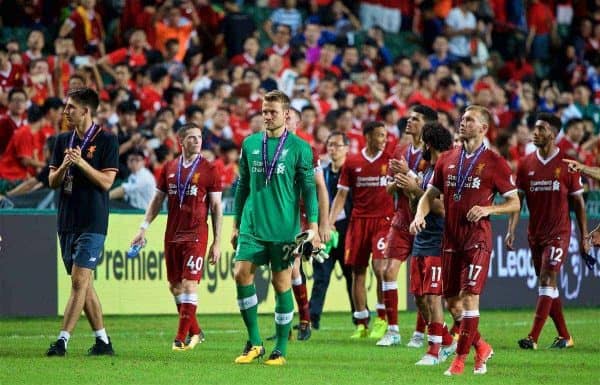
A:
x: 490, y: 174
x: 367, y: 178
x: 188, y: 223
x: 547, y: 184
x: 21, y: 145
x: 414, y: 157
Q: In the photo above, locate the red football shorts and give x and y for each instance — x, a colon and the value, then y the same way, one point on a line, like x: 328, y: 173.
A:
x: 549, y: 255
x: 426, y: 275
x: 399, y: 244
x: 184, y: 260
x: 466, y: 270
x: 365, y: 236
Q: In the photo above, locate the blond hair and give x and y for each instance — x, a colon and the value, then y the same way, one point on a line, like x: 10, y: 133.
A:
x: 277, y: 96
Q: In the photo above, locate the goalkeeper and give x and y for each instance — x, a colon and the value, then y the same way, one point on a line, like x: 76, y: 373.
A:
x: 275, y: 172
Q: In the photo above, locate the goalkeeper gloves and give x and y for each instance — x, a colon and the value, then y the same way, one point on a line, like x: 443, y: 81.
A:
x: 305, y: 248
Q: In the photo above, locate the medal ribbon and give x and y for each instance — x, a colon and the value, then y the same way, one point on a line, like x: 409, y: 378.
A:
x: 408, y: 156
x: 86, y: 139
x: 461, y: 178
x: 269, y: 168
x: 426, y: 178
x: 181, y: 189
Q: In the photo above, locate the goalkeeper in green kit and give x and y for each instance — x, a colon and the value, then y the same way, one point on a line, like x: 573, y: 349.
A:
x: 276, y: 172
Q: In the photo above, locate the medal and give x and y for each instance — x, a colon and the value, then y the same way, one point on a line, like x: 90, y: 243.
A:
x: 461, y: 178
x: 68, y: 181
x: 182, y: 188
x: 269, y: 168
x: 68, y: 184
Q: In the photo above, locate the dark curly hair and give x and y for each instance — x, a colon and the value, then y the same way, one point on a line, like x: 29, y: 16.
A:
x: 437, y: 136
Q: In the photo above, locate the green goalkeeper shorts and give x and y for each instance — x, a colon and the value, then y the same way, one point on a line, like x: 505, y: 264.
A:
x: 276, y: 254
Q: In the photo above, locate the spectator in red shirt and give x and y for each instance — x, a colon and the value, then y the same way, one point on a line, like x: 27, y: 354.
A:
x: 151, y: 95
x: 444, y: 94
x: 248, y: 57
x: 134, y: 55
x: 424, y: 93
x: 53, y: 116
x: 281, y: 42
x: 38, y: 83
x: 35, y: 45
x: 60, y: 64
x: 17, y: 102
x: 85, y: 26
x: 24, y: 154
x: 324, y: 66
x: 570, y: 143
x: 517, y: 69
x: 542, y: 26
x: 11, y: 75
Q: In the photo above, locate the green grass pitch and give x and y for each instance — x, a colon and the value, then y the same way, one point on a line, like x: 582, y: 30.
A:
x: 144, y: 356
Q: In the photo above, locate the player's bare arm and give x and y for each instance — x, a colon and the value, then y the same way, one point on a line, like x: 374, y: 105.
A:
x: 510, y: 205
x: 575, y: 166
x: 151, y: 213
x: 101, y: 178
x: 323, y: 200
x: 423, y: 208
x: 513, y: 220
x: 216, y: 216
x: 57, y: 175
x: 338, y: 205
x: 578, y: 206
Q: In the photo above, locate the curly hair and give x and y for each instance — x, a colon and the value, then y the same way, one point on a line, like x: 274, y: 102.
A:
x: 437, y: 136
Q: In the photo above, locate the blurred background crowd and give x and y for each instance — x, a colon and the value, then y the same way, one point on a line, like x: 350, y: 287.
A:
x: 159, y: 64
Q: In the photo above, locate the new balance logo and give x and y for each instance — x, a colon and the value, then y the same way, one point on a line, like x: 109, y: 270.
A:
x: 451, y: 167
x: 93, y: 259
x: 255, y: 152
x: 531, y: 173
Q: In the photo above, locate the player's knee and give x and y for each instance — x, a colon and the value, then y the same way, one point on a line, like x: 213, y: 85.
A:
x: 242, y: 277
x: 79, y: 283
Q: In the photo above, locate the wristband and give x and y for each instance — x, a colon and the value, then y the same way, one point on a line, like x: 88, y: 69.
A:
x: 144, y: 225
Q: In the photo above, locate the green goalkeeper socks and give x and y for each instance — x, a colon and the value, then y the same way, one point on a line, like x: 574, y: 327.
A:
x: 284, y: 314
x: 248, y: 303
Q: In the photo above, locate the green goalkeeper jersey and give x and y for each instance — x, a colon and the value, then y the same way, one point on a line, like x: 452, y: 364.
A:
x: 271, y: 211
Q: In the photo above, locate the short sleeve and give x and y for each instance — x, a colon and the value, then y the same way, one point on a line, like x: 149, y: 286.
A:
x: 437, y: 179
x: 345, y: 180
x: 58, y: 154
x: 575, y: 185
x: 215, y: 184
x: 110, y: 160
x: 161, y: 181
x: 520, y: 180
x: 503, y: 179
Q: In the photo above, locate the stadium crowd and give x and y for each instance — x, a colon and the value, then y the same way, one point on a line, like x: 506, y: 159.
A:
x: 159, y: 64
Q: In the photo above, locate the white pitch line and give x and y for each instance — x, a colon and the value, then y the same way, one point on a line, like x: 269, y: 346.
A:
x: 235, y: 331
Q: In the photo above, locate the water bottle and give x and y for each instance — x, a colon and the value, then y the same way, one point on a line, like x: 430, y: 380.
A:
x: 134, y: 250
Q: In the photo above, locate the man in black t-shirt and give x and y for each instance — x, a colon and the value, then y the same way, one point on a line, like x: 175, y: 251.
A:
x: 84, y: 165
x: 337, y: 148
